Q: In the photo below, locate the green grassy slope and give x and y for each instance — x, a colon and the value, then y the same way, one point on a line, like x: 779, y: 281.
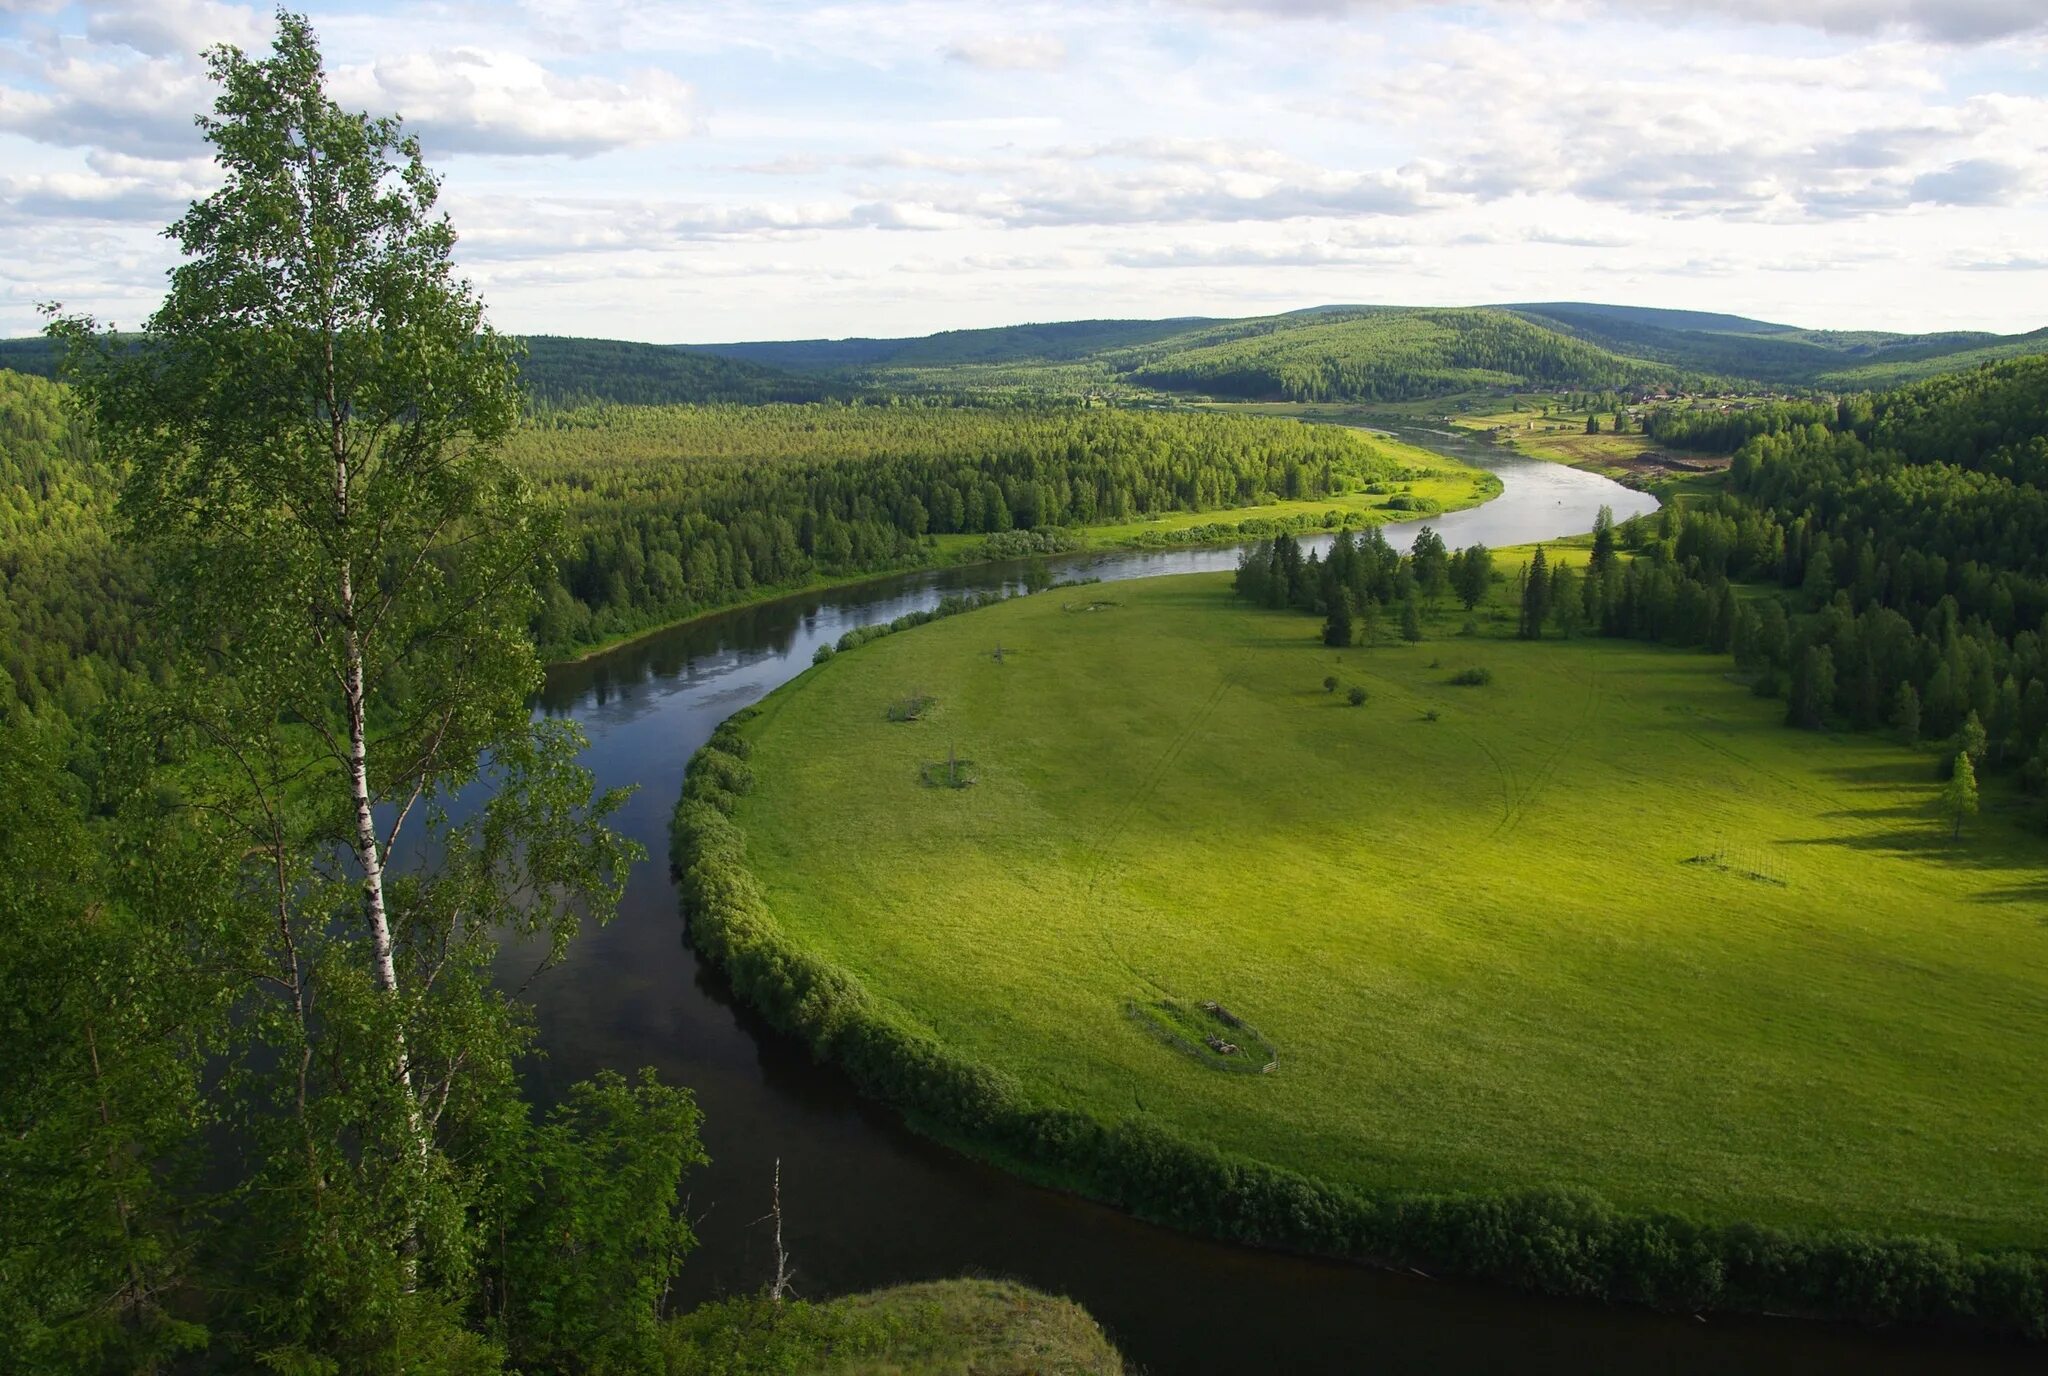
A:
x: 1476, y: 943
x: 941, y: 1328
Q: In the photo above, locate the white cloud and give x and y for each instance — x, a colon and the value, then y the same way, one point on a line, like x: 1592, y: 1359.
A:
x: 176, y: 28
x: 1020, y: 52
x: 475, y: 100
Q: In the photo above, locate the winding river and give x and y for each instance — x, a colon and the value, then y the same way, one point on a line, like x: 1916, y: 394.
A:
x: 866, y: 1203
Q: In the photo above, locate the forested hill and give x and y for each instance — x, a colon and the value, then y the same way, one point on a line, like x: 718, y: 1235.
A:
x: 1392, y: 353
x: 1062, y: 342
x: 1388, y: 355
x: 560, y: 371
x: 1785, y: 355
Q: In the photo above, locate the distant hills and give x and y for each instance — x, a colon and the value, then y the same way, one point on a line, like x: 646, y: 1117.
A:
x: 1396, y: 353
x: 1325, y: 353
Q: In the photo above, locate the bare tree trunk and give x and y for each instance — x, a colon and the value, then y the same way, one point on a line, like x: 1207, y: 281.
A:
x: 370, y: 856
x: 780, y: 1287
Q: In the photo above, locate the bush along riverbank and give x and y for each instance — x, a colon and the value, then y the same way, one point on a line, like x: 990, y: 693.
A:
x: 1558, y: 1241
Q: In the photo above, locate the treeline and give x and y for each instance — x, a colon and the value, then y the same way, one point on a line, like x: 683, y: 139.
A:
x: 668, y: 512
x: 1723, y: 432
x: 1908, y: 541
x: 1393, y: 356
x: 559, y: 372
x: 673, y: 511
x: 1562, y: 1242
x: 1918, y: 541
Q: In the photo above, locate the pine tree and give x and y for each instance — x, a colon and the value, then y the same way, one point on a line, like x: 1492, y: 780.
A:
x: 1536, y: 597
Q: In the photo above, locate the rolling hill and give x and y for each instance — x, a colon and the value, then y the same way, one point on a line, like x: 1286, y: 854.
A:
x: 1324, y: 353
x: 1395, y: 353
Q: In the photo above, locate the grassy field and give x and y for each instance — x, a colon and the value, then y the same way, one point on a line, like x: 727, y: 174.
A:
x: 1603, y: 922
x: 940, y: 1328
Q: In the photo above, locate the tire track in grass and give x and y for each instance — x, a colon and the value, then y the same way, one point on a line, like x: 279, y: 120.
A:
x: 1548, y: 769
x: 1154, y: 777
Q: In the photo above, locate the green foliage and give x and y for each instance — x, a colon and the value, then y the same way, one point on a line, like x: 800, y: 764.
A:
x: 1477, y: 676
x: 341, y: 566
x: 595, y: 1228
x: 104, y: 1026
x: 1958, y: 800
x: 1357, y: 696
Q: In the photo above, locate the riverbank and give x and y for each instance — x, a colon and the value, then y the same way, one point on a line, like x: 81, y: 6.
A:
x: 1428, y: 484
x: 1006, y: 1054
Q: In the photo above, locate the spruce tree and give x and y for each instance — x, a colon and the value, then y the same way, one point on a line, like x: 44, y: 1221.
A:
x: 1339, y: 629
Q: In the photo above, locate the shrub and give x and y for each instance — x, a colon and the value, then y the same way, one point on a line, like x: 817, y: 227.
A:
x: 1330, y: 684
x: 1476, y: 677
x: 1356, y: 697
x: 821, y: 654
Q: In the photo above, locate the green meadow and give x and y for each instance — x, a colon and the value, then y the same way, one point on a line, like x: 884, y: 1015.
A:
x: 1602, y: 921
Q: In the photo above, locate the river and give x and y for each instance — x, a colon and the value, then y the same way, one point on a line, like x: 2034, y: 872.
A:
x: 866, y: 1203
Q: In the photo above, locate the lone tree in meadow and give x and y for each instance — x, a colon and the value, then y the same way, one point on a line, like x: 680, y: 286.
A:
x: 1958, y: 799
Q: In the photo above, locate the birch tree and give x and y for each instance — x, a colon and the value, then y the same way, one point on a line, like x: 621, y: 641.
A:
x: 310, y: 427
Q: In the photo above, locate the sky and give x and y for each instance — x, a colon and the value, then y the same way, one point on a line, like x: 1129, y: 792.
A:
x: 762, y: 169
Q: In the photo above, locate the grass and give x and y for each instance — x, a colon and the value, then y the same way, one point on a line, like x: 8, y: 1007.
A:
x: 1475, y: 941
x: 941, y: 1328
